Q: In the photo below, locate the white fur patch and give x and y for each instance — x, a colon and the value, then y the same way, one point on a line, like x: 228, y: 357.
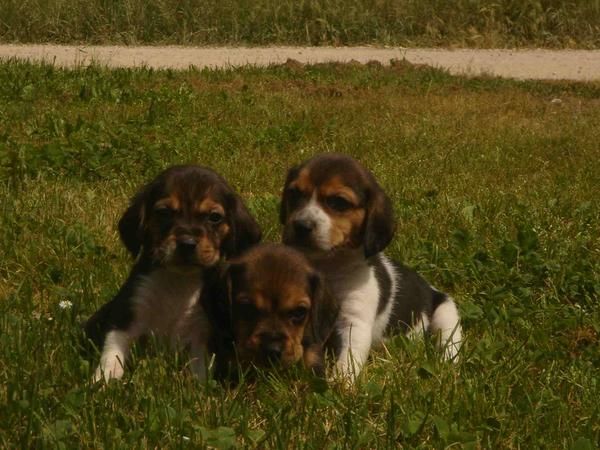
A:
x: 354, y: 283
x: 446, y: 321
x: 355, y: 329
x: 419, y: 328
x: 312, y: 211
x: 114, y: 353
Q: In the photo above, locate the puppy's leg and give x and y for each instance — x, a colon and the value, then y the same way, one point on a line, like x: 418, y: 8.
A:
x: 196, y: 332
x: 355, y: 344
x: 199, y: 360
x: 114, y: 352
x: 421, y: 326
x: 445, y: 323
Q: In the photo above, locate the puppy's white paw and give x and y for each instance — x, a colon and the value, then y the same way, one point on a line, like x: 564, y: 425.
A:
x: 112, y: 361
x: 109, y: 370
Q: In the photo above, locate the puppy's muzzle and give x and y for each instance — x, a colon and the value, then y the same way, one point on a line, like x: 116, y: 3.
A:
x: 303, y: 228
x: 272, y: 346
x: 186, y: 247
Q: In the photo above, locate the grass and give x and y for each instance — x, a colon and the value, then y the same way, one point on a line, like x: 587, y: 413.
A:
x: 495, y: 189
x: 462, y: 23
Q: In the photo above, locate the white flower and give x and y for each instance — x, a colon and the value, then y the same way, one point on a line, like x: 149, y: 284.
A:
x: 65, y: 304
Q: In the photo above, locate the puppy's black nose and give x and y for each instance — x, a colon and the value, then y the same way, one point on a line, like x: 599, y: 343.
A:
x: 303, y: 227
x: 272, y: 344
x: 187, y: 246
x: 273, y: 351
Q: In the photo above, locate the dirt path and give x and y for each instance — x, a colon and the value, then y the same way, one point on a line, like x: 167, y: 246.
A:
x: 583, y: 65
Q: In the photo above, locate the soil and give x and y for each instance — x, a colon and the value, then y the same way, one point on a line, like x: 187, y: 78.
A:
x: 579, y: 65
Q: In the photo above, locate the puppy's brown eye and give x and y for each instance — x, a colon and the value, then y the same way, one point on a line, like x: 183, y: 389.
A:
x: 215, y: 218
x: 338, y: 203
x: 297, y: 315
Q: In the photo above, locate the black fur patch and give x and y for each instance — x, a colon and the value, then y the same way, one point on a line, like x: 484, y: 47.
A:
x: 413, y: 297
x: 437, y: 299
x: 384, y: 282
x: 117, y: 314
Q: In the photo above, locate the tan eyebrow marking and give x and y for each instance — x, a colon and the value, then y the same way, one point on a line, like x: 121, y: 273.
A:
x: 260, y: 302
x: 292, y: 302
x: 169, y: 202
x: 302, y: 182
x: 336, y: 186
x: 210, y: 205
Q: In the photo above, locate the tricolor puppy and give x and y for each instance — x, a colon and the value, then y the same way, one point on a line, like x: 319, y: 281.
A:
x: 335, y: 212
x: 268, y: 308
x: 176, y: 227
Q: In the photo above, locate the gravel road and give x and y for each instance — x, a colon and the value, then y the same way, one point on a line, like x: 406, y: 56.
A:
x: 581, y: 65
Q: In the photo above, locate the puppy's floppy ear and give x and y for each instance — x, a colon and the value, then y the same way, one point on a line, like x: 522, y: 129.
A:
x: 131, y: 224
x: 245, y: 230
x: 324, y: 310
x: 283, y: 207
x: 379, y: 224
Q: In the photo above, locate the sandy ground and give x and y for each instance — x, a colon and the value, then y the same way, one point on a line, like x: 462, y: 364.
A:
x: 583, y: 65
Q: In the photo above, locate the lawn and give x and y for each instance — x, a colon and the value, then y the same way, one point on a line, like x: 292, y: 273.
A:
x: 462, y: 23
x: 495, y: 186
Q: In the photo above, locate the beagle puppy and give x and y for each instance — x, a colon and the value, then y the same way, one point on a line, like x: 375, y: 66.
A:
x: 177, y: 226
x: 335, y: 212
x: 268, y: 308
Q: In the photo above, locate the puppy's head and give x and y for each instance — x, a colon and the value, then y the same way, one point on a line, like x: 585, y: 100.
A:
x: 273, y: 304
x: 188, y: 216
x: 332, y: 202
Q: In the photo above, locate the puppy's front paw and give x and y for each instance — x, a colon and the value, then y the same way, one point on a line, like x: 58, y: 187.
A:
x: 345, y: 372
x: 112, y: 361
x: 109, y: 370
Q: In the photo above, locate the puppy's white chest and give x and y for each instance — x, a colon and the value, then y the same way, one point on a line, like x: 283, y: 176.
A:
x: 357, y: 290
x: 360, y: 303
x: 164, y: 303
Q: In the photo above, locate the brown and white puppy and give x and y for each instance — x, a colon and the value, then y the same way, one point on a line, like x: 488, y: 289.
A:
x: 177, y: 226
x: 268, y: 308
x: 335, y: 212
